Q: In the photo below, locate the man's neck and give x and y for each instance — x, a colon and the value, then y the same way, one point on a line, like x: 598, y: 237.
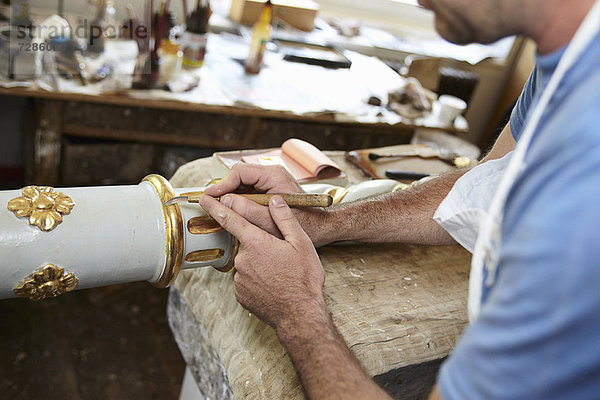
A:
x: 558, y: 23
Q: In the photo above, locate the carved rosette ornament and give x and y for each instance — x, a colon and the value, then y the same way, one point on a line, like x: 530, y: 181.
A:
x: 48, y: 281
x: 42, y: 205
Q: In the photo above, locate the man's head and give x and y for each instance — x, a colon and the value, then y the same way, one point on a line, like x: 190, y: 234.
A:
x: 485, y: 21
x: 482, y: 21
x: 550, y: 23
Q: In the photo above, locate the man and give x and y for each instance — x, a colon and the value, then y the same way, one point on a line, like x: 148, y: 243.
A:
x: 538, y: 332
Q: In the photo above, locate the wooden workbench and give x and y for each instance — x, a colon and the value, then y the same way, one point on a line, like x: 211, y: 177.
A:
x: 78, y: 139
x: 400, y: 309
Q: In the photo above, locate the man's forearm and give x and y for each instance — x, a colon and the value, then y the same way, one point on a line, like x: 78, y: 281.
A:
x: 405, y: 216
x: 327, y: 368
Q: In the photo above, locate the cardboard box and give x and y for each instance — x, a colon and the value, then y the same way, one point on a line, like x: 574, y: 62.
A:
x: 300, y: 14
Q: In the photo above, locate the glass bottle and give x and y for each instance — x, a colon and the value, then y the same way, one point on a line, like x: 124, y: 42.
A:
x: 261, y: 34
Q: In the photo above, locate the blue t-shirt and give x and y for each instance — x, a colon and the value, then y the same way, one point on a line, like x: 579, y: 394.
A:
x: 538, y: 333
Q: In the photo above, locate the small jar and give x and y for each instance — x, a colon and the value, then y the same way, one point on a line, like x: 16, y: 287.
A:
x: 171, y: 61
x: 194, y: 45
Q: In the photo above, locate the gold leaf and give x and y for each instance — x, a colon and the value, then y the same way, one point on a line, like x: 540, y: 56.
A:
x: 203, y: 226
x: 205, y: 255
x: 35, y: 296
x: 57, y: 272
x: 44, y: 207
x: 37, y: 278
x: 69, y: 282
x: 35, y: 218
x: 21, y: 206
x: 63, y: 204
x: 56, y: 216
x: 30, y: 191
x: 46, y: 190
x: 48, y: 273
x: 48, y: 281
x: 28, y: 287
x: 45, y: 220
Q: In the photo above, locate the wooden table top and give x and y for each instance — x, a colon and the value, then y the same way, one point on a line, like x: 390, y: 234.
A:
x: 149, y: 101
x: 122, y: 99
x: 395, y: 305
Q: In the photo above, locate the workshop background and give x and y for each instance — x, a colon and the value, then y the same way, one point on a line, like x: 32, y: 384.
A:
x: 115, y: 342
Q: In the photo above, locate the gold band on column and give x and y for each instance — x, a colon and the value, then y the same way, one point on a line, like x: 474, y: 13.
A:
x: 173, y: 229
x: 234, y: 252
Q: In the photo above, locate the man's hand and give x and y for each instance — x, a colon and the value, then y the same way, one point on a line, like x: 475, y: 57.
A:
x: 251, y: 178
x: 276, y: 279
x: 245, y: 178
x: 281, y: 282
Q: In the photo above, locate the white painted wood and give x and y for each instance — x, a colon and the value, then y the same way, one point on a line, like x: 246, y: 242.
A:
x: 114, y: 234
x: 219, y: 240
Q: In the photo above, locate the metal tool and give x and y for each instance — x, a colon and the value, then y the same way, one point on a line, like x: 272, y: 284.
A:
x: 405, y: 175
x: 429, y: 151
x: 422, y: 153
x: 292, y: 200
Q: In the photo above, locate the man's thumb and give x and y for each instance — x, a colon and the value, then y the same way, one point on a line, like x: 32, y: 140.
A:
x: 284, y: 218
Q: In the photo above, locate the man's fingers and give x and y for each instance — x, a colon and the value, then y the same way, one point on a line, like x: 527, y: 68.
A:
x: 278, y: 180
x: 285, y: 220
x: 230, y: 220
x: 252, y: 212
x: 228, y: 184
x: 262, y: 178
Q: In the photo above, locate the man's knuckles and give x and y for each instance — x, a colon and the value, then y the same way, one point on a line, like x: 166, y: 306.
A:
x: 276, y: 171
x: 231, y: 221
x: 223, y: 218
x: 244, y: 207
x: 287, y: 218
x: 281, y: 177
x: 237, y: 170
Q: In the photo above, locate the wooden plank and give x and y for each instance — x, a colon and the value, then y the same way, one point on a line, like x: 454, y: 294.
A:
x: 47, y: 142
x: 397, y: 305
x: 212, y: 142
x: 106, y: 163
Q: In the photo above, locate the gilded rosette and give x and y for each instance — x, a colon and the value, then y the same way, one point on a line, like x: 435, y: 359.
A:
x: 43, y: 206
x: 48, y: 281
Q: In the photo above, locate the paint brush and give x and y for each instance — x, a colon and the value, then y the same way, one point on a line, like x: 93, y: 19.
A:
x: 292, y: 200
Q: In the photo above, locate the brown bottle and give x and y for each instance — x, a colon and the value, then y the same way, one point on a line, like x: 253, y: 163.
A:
x: 261, y: 34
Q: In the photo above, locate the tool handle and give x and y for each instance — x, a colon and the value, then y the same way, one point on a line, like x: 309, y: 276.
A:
x: 375, y: 156
x: 293, y: 200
